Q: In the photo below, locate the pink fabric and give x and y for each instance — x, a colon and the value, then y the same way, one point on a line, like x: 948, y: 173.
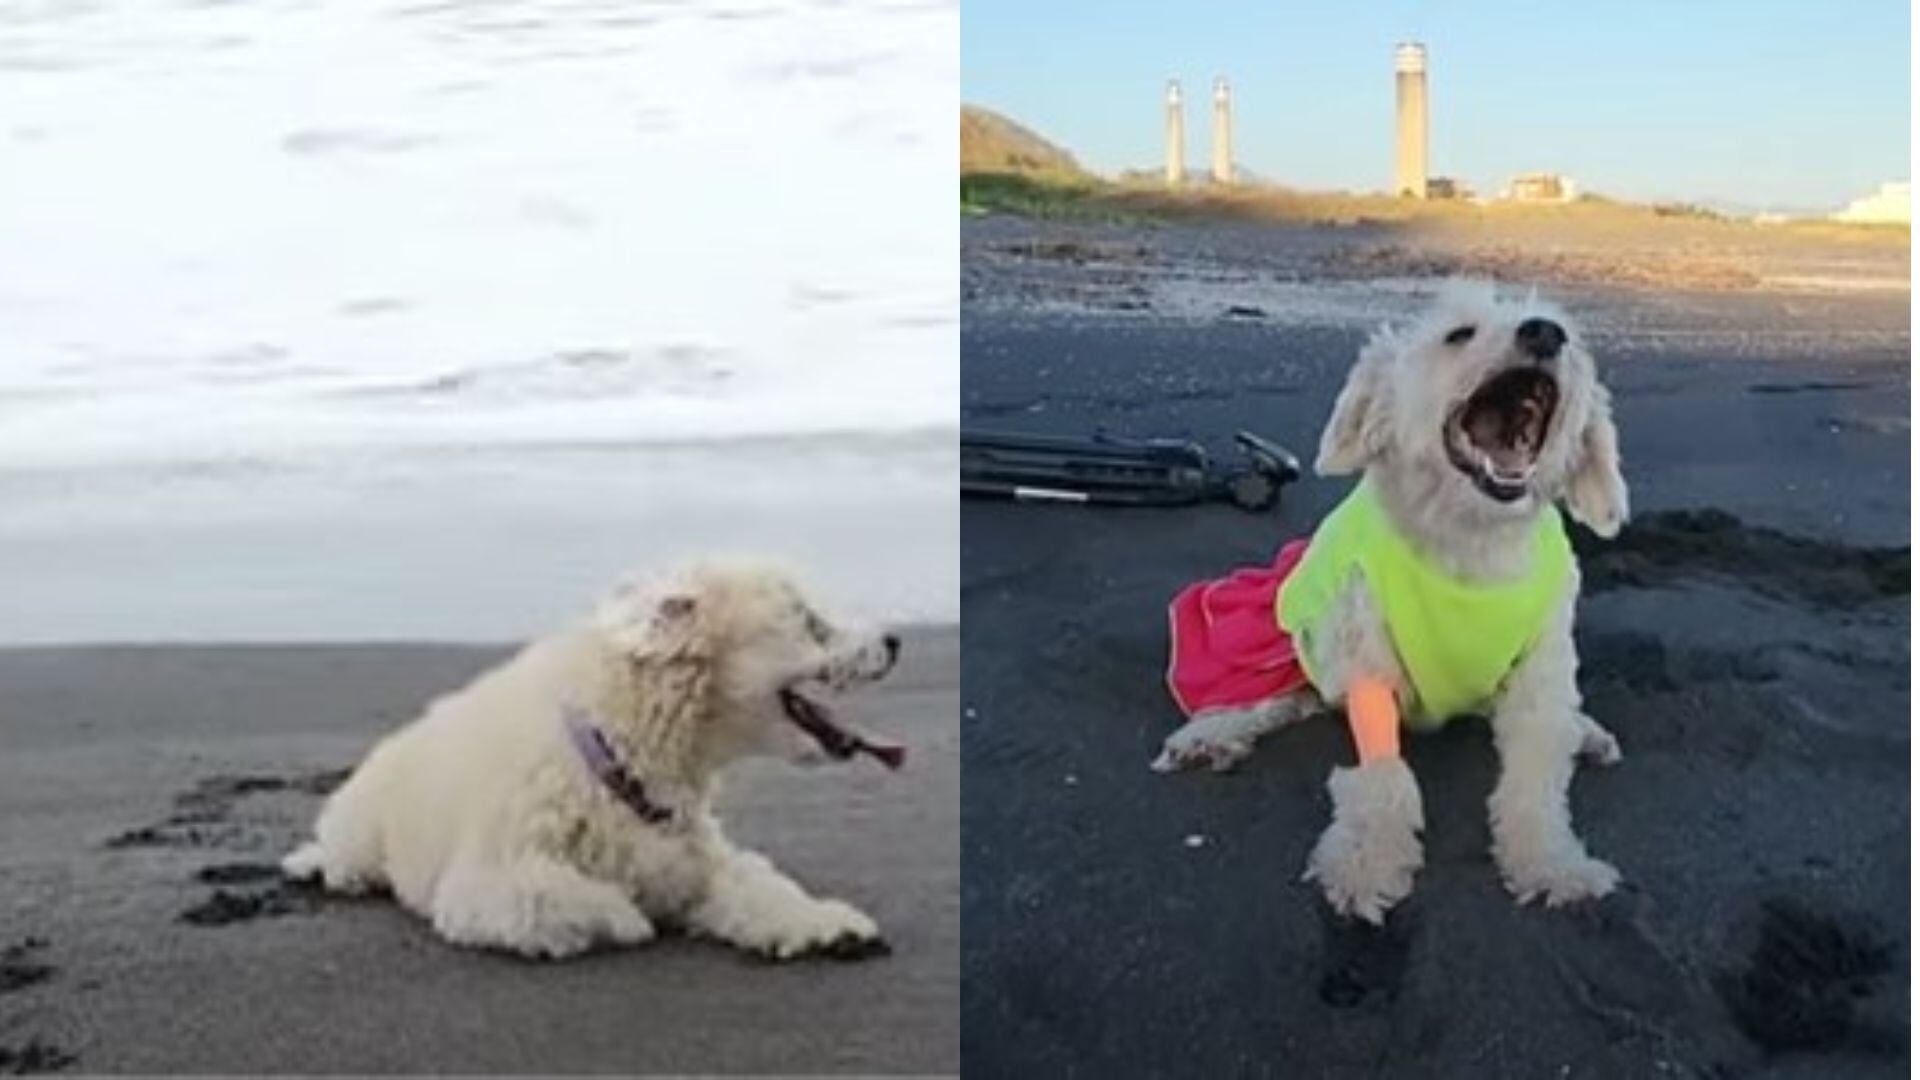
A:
x: 1228, y: 649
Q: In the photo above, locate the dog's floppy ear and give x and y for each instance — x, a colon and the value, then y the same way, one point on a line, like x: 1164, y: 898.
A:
x: 1596, y: 492
x: 661, y: 687
x: 1356, y: 433
x: 640, y: 621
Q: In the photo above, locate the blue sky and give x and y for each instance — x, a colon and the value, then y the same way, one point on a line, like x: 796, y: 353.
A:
x: 1797, y: 105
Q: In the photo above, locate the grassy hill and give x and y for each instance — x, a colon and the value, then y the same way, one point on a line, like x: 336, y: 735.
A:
x: 992, y: 144
x: 1008, y: 168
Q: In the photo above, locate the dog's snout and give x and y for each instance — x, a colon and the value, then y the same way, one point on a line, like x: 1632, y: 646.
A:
x: 1541, y: 339
x: 892, y: 642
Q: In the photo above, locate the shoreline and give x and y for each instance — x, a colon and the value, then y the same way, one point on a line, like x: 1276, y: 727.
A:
x: 479, y: 548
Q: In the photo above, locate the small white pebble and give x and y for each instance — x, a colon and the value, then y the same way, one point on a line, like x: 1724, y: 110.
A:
x: 1072, y: 780
x: 1196, y: 840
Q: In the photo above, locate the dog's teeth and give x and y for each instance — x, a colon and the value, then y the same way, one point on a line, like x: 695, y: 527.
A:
x: 1503, y: 476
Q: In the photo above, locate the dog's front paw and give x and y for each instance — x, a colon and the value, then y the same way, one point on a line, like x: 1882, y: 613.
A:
x: 567, y: 923
x: 829, y: 928
x: 559, y: 941
x: 1366, y: 859
x: 1560, y: 881
x: 854, y: 947
x: 1364, y: 874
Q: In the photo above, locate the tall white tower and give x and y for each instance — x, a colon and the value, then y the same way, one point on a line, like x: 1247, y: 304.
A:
x: 1176, y: 137
x: 1410, y: 135
x: 1222, y: 132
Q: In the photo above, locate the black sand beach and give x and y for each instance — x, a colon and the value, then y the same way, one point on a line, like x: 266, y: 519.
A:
x: 1747, y: 639
x: 146, y: 791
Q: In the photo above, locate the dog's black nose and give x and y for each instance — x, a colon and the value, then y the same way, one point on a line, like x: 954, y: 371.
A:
x: 892, y: 642
x: 1541, y: 339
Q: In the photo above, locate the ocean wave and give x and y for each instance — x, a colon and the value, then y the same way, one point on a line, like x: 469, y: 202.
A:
x: 683, y: 370
x: 425, y: 257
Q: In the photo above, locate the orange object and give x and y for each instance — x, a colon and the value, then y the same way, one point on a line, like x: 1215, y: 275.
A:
x: 1375, y: 718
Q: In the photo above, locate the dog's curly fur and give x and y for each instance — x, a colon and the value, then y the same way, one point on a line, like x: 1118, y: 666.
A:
x: 482, y: 816
x: 1390, y: 420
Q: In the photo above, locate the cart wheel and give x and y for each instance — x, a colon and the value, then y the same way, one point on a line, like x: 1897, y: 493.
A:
x: 1253, y: 491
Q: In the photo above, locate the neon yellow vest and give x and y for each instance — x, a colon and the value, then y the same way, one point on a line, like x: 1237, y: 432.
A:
x: 1456, y: 640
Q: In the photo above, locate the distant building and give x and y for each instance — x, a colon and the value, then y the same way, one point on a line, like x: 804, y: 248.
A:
x: 1410, y: 120
x: 1893, y: 203
x: 1540, y: 187
x: 1446, y: 187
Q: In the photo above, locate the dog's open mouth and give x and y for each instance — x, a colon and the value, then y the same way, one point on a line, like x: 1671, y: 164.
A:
x: 839, y: 743
x: 1494, y: 437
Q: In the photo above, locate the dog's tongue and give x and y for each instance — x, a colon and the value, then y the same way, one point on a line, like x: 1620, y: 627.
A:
x: 838, y: 741
x: 887, y: 754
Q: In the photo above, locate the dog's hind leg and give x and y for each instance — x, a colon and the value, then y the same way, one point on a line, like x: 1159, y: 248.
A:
x: 537, y: 906
x: 1220, y: 738
x: 1597, y: 744
x: 345, y: 853
x: 306, y: 862
x: 314, y: 860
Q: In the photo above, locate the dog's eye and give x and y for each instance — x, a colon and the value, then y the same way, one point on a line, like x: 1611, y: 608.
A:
x: 817, y: 628
x: 1460, y: 336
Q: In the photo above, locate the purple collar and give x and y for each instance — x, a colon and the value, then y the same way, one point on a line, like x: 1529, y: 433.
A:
x: 594, y: 749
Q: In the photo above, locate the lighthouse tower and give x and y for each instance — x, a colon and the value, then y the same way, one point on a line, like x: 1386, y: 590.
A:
x: 1222, y: 132
x: 1176, y: 137
x: 1410, y: 135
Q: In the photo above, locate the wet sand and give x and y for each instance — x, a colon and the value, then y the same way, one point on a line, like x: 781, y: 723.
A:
x: 147, y: 791
x: 1747, y: 639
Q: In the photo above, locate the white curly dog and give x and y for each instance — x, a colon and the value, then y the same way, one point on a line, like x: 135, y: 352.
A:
x: 1468, y: 424
x: 564, y: 799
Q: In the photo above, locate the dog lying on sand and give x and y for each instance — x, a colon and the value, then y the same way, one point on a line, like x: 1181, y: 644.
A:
x: 563, y: 799
x: 1444, y: 583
